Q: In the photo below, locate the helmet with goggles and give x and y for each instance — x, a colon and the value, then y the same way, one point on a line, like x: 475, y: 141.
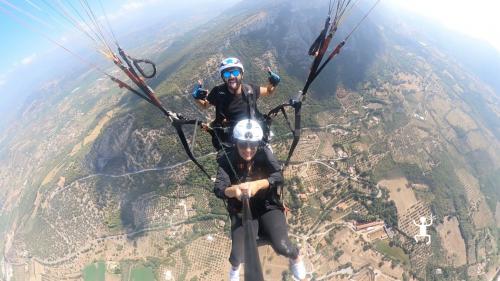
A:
x: 229, y: 63
x: 247, y: 130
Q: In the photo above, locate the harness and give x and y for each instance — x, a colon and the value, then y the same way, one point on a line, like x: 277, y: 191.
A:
x: 221, y: 133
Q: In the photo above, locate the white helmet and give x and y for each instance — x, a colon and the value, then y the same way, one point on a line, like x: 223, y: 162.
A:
x: 247, y: 130
x: 230, y: 63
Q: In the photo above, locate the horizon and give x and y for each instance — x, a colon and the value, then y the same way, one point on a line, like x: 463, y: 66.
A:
x: 26, y: 48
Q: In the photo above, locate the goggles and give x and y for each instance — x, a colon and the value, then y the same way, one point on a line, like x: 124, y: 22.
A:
x: 235, y: 72
x: 248, y: 144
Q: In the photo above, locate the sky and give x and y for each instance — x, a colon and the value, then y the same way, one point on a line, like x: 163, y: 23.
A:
x: 22, y: 46
x: 28, y: 59
x: 479, y: 18
x: 24, y: 35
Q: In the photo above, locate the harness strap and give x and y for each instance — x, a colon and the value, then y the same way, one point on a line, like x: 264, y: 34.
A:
x: 250, y: 99
x: 297, y: 105
x: 178, y: 123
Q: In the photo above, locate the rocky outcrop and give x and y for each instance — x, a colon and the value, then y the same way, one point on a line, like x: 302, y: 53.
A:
x: 107, y: 152
x: 123, y: 148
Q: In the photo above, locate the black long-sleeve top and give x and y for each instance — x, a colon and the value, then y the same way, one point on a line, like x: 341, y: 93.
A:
x: 263, y: 166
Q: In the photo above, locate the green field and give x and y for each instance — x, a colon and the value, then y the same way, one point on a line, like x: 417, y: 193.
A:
x: 141, y: 273
x: 394, y: 253
x: 94, y: 272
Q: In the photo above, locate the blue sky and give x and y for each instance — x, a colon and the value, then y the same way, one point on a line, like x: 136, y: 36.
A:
x: 21, y: 46
x: 19, y: 43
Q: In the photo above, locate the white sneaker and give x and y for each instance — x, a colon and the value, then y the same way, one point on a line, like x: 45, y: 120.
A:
x: 234, y: 274
x: 298, y: 269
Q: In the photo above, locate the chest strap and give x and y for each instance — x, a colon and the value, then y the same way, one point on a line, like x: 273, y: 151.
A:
x: 250, y: 99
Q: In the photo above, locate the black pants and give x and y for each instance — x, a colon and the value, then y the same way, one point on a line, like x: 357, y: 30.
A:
x: 272, y: 225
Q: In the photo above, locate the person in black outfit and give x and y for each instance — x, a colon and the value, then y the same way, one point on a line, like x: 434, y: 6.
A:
x: 233, y: 100
x: 250, y: 168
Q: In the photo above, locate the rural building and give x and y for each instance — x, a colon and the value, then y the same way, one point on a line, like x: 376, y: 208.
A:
x: 378, y: 234
x: 365, y: 226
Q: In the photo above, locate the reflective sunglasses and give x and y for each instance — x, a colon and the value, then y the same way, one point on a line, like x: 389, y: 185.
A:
x: 235, y: 72
x: 248, y: 144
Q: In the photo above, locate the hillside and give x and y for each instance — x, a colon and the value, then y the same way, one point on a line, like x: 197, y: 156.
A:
x: 94, y: 181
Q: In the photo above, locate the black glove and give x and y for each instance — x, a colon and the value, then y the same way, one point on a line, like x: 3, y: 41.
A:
x: 274, y: 78
x: 198, y: 92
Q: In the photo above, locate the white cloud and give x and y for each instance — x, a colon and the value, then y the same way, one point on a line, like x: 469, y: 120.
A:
x: 132, y: 6
x: 3, y: 78
x: 29, y: 59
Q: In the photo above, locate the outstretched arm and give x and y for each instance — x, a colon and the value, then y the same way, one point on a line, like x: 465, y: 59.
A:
x: 204, y: 104
x: 233, y: 191
x: 267, y: 91
x: 250, y: 188
x: 415, y: 223
x: 255, y: 186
